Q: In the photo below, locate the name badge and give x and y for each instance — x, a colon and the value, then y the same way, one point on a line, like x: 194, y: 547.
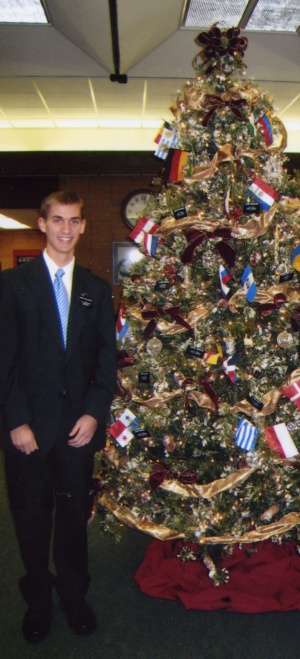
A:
x: 193, y: 351
x: 85, y: 301
x: 255, y: 402
x: 144, y: 376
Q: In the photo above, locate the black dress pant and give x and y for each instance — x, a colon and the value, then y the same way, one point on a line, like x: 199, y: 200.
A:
x: 49, y: 499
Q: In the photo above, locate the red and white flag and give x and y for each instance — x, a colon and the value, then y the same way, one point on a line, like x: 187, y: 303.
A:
x: 144, y: 225
x: 293, y: 392
x: 121, y: 428
x: 279, y: 440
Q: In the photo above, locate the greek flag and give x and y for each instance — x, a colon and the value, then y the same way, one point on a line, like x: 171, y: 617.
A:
x: 245, y: 435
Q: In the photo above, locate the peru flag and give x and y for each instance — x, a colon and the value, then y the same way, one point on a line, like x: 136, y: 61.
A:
x: 144, y: 225
x: 293, y: 392
x: 279, y: 440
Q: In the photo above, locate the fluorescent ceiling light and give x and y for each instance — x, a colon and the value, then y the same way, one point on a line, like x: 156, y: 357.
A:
x: 22, y: 11
x: 9, y: 223
x: 201, y: 14
x: 274, y: 16
x: 252, y: 15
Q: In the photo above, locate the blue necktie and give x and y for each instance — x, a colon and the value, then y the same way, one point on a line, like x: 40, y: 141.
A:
x: 62, y: 300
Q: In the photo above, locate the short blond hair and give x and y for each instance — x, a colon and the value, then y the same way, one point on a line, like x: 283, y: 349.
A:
x: 64, y: 197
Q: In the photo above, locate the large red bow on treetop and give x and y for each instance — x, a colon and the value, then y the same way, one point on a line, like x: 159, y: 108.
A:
x: 152, y: 313
x: 220, y: 43
x: 160, y: 471
x: 195, y: 238
x: 215, y: 102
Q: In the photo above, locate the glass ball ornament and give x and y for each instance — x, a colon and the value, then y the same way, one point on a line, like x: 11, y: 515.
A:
x: 154, y: 346
x: 285, y: 340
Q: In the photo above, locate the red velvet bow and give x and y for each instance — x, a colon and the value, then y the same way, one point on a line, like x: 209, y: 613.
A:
x: 160, y: 471
x: 151, y: 313
x: 221, y: 43
x: 217, y: 102
x: 295, y: 320
x: 204, y: 382
x: 195, y: 238
x: 267, y: 308
x: 123, y: 359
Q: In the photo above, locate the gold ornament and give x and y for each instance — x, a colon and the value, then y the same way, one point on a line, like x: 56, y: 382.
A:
x: 154, y: 346
x: 285, y: 340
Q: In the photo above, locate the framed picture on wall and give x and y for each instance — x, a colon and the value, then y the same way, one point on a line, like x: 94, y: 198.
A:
x: 124, y: 256
x: 24, y: 255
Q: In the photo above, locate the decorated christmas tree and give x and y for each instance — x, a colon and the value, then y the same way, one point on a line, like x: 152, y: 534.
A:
x: 205, y: 431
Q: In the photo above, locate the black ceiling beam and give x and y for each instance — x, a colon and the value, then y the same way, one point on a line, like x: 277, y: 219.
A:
x: 116, y: 76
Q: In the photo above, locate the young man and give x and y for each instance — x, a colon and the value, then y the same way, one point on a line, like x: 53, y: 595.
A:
x: 57, y: 392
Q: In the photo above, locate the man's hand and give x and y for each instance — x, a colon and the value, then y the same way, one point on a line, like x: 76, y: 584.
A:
x: 23, y: 439
x: 83, y: 431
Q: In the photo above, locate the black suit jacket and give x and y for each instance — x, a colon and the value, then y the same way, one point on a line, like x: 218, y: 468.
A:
x: 38, y: 375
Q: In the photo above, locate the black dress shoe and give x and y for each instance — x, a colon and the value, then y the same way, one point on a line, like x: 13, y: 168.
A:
x: 36, y: 624
x: 80, y: 616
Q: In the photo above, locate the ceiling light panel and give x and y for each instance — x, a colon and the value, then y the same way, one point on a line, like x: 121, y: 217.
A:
x: 201, y: 14
x: 274, y: 16
x: 22, y: 11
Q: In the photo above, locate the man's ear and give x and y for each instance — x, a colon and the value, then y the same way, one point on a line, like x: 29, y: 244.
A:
x: 83, y: 225
x: 42, y: 224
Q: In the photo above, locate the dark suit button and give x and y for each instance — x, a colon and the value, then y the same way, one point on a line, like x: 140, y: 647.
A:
x: 63, y: 394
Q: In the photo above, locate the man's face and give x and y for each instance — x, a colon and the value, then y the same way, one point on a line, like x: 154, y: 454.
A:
x: 63, y: 228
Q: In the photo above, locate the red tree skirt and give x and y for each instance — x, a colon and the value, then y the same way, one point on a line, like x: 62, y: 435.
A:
x: 267, y: 580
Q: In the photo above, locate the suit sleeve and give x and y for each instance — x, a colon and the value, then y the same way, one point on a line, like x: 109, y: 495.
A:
x: 101, y: 391
x: 12, y: 398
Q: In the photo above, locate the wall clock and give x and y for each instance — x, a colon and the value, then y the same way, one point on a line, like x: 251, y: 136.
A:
x: 134, y: 205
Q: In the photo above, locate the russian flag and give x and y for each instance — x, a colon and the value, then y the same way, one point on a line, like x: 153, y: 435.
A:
x: 249, y: 284
x: 122, y: 323
x: 279, y: 440
x: 265, y: 123
x: 263, y: 193
x: 144, y: 225
x: 224, y: 278
x: 245, y: 435
x: 150, y: 244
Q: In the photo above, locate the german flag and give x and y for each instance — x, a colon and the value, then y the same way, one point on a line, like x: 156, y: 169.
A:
x: 174, y: 163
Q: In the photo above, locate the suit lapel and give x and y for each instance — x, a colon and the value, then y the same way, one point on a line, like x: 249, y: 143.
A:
x: 77, y: 314
x: 41, y: 286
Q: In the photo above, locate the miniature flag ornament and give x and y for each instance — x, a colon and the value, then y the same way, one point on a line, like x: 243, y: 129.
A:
x: 122, y: 427
x: 249, y: 284
x: 265, y: 123
x: 144, y: 225
x: 293, y: 392
x: 174, y: 164
x: 122, y: 323
x: 224, y: 279
x: 213, y: 357
x: 229, y: 367
x: 165, y: 139
x: 150, y: 244
x: 245, y: 435
x: 279, y: 440
x: 295, y: 258
x: 263, y: 193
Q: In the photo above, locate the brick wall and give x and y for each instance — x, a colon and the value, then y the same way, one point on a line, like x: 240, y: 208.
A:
x: 103, y: 196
